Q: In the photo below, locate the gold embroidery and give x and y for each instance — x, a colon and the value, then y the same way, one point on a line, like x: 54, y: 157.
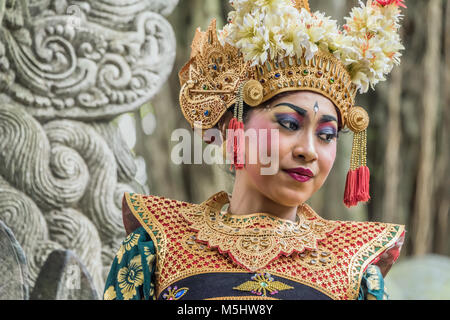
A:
x: 120, y: 254
x: 152, y: 291
x: 154, y: 229
x: 110, y: 294
x: 189, y: 242
x: 207, y: 91
x: 130, y: 278
x: 316, y: 259
x: 131, y: 241
x: 180, y: 254
x: 261, y: 284
x: 253, y: 241
x: 369, y: 251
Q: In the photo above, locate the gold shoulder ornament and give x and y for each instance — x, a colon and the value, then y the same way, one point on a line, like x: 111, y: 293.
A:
x: 254, y: 241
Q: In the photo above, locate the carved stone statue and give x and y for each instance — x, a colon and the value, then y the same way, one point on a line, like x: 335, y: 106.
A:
x: 67, y: 69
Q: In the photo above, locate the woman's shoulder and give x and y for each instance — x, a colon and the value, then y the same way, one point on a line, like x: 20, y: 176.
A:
x: 372, y: 243
x: 138, y: 210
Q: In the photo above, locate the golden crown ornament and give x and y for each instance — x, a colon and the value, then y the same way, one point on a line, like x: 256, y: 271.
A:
x: 274, y: 46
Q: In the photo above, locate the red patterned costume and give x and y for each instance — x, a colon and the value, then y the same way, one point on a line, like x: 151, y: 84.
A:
x: 178, y: 250
x: 208, y: 254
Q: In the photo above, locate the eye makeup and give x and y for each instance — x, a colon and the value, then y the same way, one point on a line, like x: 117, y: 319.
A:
x: 292, y: 121
x: 327, y: 132
x: 289, y: 120
x: 289, y: 116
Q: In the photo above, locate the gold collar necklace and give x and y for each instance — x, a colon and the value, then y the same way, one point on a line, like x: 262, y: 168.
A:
x: 255, y: 240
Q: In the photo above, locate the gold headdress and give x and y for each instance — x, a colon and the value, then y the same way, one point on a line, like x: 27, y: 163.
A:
x: 274, y: 46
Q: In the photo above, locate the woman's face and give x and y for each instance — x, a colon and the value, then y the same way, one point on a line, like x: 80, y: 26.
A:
x: 307, y: 126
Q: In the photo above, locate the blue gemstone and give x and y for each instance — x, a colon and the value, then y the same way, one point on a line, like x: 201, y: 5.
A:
x: 180, y: 293
x: 215, y: 67
x: 206, y: 113
x: 277, y: 75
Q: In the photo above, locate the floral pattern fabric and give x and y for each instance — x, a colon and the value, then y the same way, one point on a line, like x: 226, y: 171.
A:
x: 131, y: 276
x: 372, y: 285
x: 132, y: 271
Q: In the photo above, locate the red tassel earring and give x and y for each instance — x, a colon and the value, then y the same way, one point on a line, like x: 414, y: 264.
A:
x: 252, y: 93
x: 357, y: 187
x: 235, y: 133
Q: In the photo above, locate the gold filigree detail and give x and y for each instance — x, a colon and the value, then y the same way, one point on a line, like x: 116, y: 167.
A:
x: 211, y: 79
x: 181, y: 254
x: 316, y: 260
x: 253, y: 93
x: 368, y: 252
x: 154, y: 229
x: 357, y: 119
x: 302, y: 4
x: 263, y: 284
x: 253, y: 241
x: 190, y: 244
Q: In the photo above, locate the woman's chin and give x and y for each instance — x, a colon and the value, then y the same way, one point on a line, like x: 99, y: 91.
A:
x: 291, y: 197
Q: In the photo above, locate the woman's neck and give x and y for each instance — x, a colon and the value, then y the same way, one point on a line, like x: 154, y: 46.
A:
x: 247, y: 200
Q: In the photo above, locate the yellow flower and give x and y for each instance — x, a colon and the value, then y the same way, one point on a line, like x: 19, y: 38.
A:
x: 120, y: 254
x: 110, y: 294
x: 131, y: 241
x: 152, y: 291
x: 130, y: 278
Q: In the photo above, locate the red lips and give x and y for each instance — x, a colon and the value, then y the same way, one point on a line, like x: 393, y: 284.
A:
x: 300, y: 174
x: 302, y: 171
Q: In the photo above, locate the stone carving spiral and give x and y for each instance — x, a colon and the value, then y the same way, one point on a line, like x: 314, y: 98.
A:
x: 29, y: 227
x: 74, y: 231
x: 30, y: 165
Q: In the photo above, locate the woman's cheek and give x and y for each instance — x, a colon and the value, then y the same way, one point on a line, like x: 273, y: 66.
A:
x: 326, y: 159
x: 263, y: 135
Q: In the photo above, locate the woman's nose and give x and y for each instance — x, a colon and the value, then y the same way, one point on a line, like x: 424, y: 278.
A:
x: 305, y: 149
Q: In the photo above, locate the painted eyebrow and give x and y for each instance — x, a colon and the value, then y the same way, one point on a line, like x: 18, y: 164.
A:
x: 297, y: 109
x: 304, y: 113
x: 327, y: 118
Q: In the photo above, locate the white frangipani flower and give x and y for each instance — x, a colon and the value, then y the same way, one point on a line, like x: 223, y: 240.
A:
x: 369, y: 44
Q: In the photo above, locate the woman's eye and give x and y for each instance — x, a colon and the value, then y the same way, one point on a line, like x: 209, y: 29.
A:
x: 289, y: 124
x: 328, y: 137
